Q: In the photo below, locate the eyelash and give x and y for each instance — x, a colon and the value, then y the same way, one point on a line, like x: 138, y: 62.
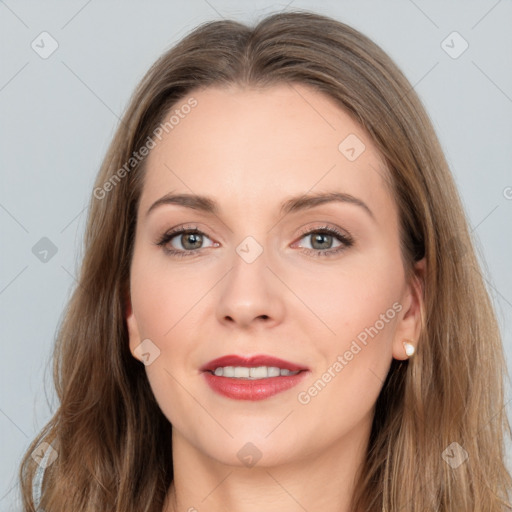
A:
x: 346, y: 240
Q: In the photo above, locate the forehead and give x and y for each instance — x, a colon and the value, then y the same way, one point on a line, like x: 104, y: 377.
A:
x: 258, y: 146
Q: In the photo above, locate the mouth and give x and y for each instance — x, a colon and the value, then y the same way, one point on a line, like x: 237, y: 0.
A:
x: 252, y: 378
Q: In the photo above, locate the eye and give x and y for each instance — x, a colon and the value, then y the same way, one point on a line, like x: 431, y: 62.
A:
x: 189, y: 240
x: 183, y: 241
x: 322, y: 240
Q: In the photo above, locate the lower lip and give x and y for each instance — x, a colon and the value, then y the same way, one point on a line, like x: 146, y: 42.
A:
x: 248, y: 389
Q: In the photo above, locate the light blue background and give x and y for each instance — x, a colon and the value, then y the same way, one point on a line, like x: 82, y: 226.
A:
x: 59, y: 114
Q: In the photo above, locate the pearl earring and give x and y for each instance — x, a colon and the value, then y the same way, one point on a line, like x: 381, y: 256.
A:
x: 409, y: 348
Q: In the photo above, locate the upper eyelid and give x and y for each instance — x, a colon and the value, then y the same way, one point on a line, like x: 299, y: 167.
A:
x: 305, y: 231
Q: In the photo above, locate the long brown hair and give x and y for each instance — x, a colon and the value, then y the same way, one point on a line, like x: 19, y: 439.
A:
x: 112, y: 440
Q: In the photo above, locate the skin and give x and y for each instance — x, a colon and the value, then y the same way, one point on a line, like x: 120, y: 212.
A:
x: 250, y: 150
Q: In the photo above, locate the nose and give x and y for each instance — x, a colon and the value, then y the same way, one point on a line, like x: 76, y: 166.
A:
x: 251, y: 294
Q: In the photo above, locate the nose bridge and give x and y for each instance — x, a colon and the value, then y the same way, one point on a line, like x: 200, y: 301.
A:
x: 249, y: 266
x: 250, y: 290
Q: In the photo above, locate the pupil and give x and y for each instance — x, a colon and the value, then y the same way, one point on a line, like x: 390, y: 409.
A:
x: 319, y: 237
x: 195, y: 238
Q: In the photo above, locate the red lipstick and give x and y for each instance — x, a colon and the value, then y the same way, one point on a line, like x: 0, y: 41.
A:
x: 252, y: 388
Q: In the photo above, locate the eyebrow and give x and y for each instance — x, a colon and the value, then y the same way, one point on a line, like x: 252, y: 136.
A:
x: 294, y: 204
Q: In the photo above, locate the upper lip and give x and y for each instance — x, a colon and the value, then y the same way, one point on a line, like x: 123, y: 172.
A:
x: 251, y: 362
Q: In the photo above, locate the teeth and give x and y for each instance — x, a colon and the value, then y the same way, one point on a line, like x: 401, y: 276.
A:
x: 241, y: 371
x: 259, y: 372
x: 273, y: 371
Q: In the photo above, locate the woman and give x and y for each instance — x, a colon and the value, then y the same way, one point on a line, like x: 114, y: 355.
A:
x: 279, y: 305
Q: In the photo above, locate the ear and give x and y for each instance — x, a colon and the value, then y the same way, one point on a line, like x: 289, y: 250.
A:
x: 133, y: 328
x: 409, y: 326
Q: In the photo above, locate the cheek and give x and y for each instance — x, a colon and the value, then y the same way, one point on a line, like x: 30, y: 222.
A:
x: 162, y: 301
x: 357, y: 297
x: 353, y: 365
x: 359, y: 311
x: 159, y: 297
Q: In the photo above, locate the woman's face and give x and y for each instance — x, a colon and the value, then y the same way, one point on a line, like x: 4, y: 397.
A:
x: 265, y: 274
